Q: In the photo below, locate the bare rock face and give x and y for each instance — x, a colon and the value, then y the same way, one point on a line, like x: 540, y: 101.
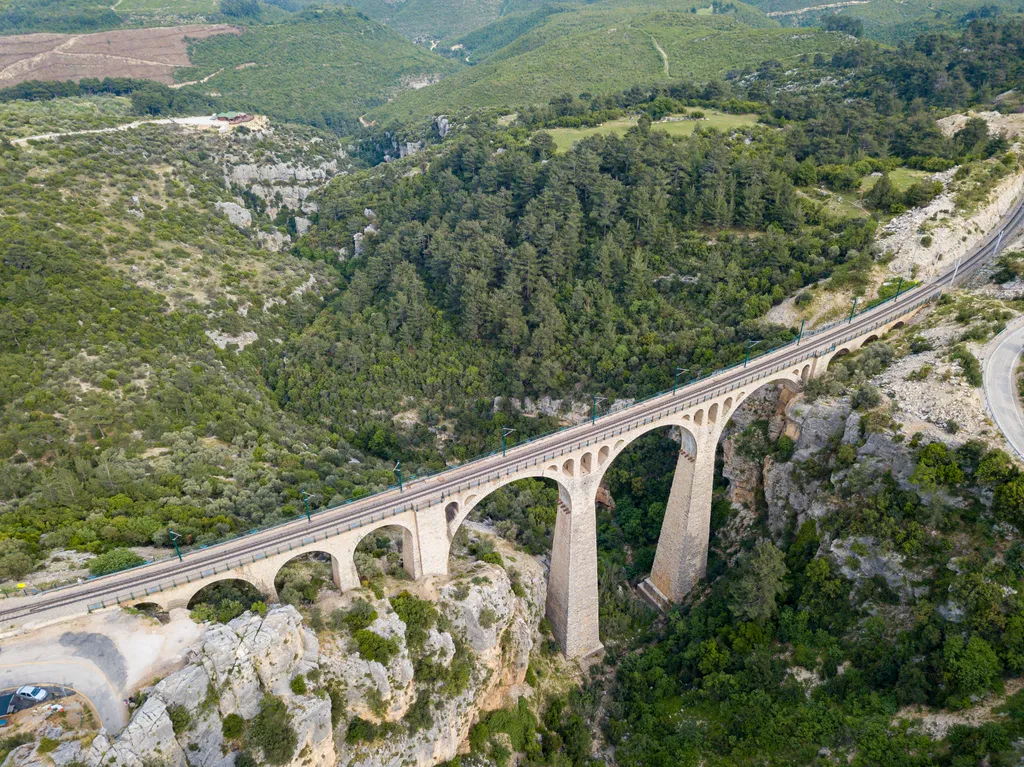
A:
x: 496, y: 628
x: 236, y: 214
x: 229, y: 665
x: 148, y: 735
x: 370, y: 685
x: 235, y: 667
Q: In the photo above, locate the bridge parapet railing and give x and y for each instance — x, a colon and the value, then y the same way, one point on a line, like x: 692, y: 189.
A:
x: 886, y: 316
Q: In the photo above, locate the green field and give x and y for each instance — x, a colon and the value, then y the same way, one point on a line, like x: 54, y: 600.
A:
x: 609, y: 50
x: 902, y: 179
x: 566, y: 137
x: 891, y: 20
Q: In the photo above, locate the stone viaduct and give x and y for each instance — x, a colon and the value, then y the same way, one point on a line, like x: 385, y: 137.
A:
x: 576, y: 461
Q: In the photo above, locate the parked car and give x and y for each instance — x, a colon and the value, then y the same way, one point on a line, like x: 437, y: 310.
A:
x: 35, y: 694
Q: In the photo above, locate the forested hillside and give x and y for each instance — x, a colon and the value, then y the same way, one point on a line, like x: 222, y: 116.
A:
x: 585, y: 52
x: 204, y: 331
x: 323, y: 67
x: 121, y: 416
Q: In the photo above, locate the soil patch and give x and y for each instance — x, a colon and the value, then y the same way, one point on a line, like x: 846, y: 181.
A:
x: 152, y: 54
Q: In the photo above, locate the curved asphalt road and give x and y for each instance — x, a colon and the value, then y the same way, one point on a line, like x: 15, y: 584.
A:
x: 430, y: 490
x: 1000, y: 380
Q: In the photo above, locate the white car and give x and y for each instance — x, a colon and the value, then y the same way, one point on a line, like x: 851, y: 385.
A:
x: 36, y: 694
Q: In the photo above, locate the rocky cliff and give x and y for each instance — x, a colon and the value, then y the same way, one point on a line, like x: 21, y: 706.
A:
x: 368, y: 688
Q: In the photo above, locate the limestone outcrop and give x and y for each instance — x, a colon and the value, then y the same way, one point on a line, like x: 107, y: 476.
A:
x: 233, y: 668
x: 427, y: 689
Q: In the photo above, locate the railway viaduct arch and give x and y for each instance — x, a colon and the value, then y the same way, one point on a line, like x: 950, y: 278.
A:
x: 572, y: 600
x: 431, y: 509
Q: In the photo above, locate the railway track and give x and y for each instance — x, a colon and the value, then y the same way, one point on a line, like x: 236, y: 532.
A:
x: 430, y: 490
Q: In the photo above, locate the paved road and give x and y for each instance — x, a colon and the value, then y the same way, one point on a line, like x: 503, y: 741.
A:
x: 24, y: 665
x: 1002, y: 356
x: 432, y: 490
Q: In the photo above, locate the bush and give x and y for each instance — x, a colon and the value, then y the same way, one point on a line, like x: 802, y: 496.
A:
x: 272, y: 733
x: 180, y: 718
x: 374, y: 647
x: 866, y: 397
x: 233, y: 726
x: 298, y: 685
x: 418, y: 615
x: 46, y: 745
x: 114, y: 561
x: 968, y: 364
x: 360, y: 731
x: 358, y: 617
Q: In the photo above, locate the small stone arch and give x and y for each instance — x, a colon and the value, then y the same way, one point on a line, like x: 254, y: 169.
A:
x: 410, y: 550
x: 698, y: 417
x: 335, y: 571
x: 602, y: 455
x: 805, y: 374
x: 869, y: 340
x: 451, y: 511
x: 727, y: 407
x: 898, y: 325
x: 840, y: 353
x: 569, y: 467
x: 201, y: 586
x: 713, y: 413
x: 586, y: 463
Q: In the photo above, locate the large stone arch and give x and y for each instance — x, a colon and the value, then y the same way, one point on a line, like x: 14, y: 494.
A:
x: 690, y: 440
x: 470, y: 499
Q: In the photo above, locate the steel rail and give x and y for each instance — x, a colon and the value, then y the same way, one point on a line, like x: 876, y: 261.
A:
x: 152, y: 577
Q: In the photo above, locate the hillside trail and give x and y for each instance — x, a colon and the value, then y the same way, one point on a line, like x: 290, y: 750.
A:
x: 204, y: 121
x: 206, y: 79
x: 661, y: 52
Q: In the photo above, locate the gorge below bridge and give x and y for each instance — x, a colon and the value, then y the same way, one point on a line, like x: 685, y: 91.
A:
x: 429, y: 510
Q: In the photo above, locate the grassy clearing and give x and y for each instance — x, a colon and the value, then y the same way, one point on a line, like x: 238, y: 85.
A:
x: 566, y: 137
x: 902, y: 179
x: 322, y: 67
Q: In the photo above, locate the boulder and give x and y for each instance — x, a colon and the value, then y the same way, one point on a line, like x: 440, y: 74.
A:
x: 236, y: 214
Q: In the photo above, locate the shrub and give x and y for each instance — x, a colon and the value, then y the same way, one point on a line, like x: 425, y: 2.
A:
x: 271, y: 731
x: 866, y: 397
x: 233, y: 726
x: 358, y: 617
x: 487, y: 618
x: 493, y: 558
x: 46, y: 745
x: 968, y: 364
x: 360, y: 731
x: 113, y: 561
x: 180, y: 718
x: 298, y: 685
x: 374, y: 647
x: 418, y: 615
